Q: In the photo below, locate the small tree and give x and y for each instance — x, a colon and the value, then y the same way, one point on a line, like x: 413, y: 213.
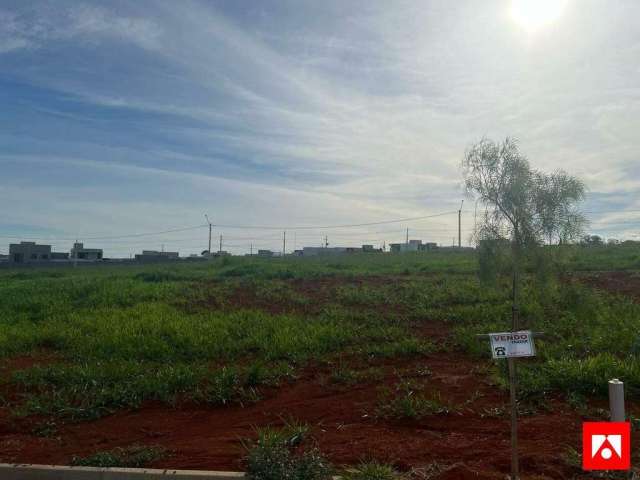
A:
x: 524, y: 208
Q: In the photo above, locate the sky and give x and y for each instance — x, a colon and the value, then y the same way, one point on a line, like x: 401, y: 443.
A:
x: 122, y: 118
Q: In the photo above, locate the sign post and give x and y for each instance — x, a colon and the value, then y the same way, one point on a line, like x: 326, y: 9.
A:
x: 511, y: 345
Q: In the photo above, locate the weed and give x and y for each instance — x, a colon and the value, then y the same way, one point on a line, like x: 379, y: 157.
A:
x: 135, y: 456
x: 47, y: 429
x: 408, y: 401
x: 348, y: 376
x: 371, y: 471
x: 493, y: 412
x: 271, y: 457
x: 573, y: 458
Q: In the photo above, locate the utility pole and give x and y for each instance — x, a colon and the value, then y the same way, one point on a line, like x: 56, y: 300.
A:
x: 251, y: 249
x: 326, y: 241
x: 407, y: 242
x: 284, y: 243
x: 460, y: 225
x: 220, y: 251
x: 207, y: 217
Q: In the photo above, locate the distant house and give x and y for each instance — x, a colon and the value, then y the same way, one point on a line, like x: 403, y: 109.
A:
x: 4, y: 258
x: 265, y: 253
x: 154, y: 256
x: 78, y: 252
x: 316, y: 251
x: 395, y: 247
x: 412, y: 246
x: 29, y: 252
x: 59, y: 256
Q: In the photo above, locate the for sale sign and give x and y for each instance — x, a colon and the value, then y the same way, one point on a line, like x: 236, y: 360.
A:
x: 512, y: 344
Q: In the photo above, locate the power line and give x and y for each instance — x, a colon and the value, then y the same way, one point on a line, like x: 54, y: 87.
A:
x: 325, y: 227
x: 109, y: 236
x: 249, y: 227
x: 120, y: 241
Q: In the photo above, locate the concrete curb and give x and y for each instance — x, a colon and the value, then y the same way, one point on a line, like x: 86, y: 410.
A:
x: 54, y: 472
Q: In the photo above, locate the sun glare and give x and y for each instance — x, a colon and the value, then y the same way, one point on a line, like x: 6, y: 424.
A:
x: 533, y: 14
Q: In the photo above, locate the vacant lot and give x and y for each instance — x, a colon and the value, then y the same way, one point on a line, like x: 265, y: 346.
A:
x: 377, y: 355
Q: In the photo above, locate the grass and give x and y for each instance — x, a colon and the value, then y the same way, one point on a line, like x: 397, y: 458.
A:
x: 273, y: 457
x: 591, y: 337
x: 410, y: 400
x: 120, y: 336
x: 135, y: 456
x: 279, y: 454
x: 371, y: 470
x: 346, y: 376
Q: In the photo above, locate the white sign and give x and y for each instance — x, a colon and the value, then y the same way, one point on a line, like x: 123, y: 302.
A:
x: 512, y: 344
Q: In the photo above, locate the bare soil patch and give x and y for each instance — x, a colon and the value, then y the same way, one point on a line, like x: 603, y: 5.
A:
x: 474, y: 437
x: 623, y: 283
x: 316, y: 292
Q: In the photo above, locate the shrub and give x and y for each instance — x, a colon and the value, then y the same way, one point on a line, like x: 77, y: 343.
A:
x: 272, y: 457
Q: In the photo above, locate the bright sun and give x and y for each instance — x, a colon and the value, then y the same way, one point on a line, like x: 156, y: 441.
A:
x: 533, y: 14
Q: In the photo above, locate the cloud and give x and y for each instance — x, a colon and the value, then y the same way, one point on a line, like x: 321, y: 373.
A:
x: 35, y: 29
x: 312, y: 111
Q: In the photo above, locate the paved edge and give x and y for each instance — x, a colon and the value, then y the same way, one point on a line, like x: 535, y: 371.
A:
x: 54, y: 472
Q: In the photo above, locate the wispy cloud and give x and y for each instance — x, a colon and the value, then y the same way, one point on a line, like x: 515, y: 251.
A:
x: 34, y: 28
x: 310, y: 111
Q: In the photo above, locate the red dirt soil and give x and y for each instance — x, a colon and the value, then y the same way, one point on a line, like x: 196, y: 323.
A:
x: 623, y: 283
x: 343, y: 425
x: 470, y: 441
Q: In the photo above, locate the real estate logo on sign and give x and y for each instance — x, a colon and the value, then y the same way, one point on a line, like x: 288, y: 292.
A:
x: 606, y: 446
x: 512, y: 344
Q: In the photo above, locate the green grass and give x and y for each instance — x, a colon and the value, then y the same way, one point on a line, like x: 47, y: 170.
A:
x: 592, y: 337
x: 118, y: 336
x: 122, y: 337
x: 410, y: 400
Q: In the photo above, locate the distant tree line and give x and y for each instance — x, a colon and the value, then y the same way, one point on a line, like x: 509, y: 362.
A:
x: 598, y: 241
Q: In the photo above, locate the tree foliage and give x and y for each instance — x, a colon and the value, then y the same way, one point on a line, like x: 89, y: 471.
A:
x: 524, y: 205
x: 592, y: 241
